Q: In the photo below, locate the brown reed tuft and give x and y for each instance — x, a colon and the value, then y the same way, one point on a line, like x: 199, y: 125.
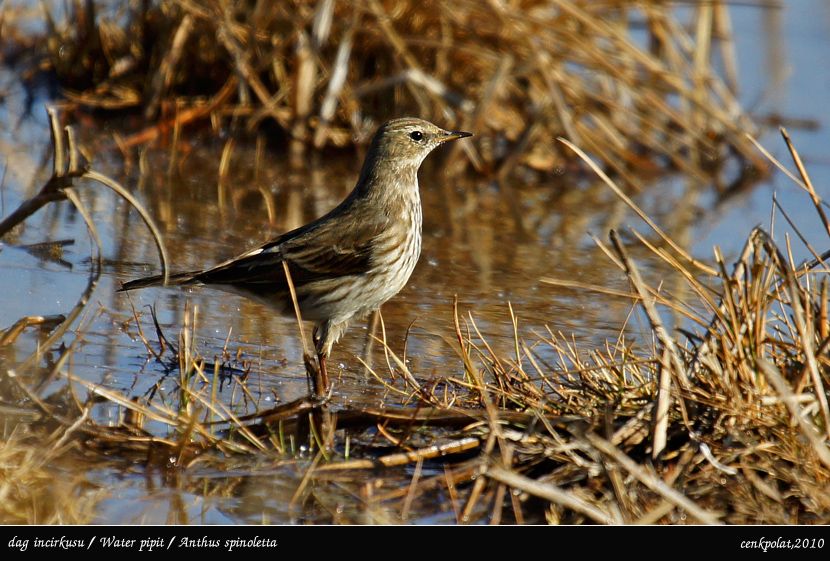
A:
x: 628, y: 81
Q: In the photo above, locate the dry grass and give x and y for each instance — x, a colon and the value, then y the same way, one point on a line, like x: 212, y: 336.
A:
x: 38, y: 483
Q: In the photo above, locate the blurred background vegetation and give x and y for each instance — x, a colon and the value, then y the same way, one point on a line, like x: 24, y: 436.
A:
x: 633, y: 82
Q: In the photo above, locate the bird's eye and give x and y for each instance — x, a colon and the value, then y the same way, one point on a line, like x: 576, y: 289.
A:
x: 417, y: 136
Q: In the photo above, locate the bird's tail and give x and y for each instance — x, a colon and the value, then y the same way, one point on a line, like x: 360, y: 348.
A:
x: 157, y: 280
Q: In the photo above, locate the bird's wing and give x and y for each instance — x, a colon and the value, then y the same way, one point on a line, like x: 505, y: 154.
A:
x: 320, y: 250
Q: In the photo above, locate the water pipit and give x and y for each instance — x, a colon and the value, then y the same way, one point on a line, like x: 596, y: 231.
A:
x: 350, y: 261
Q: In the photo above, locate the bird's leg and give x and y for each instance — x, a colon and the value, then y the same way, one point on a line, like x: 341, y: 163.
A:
x: 321, y: 417
x: 324, y: 375
x: 320, y: 380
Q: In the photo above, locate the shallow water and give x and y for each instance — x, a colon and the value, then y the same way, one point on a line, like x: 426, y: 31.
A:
x: 485, y: 246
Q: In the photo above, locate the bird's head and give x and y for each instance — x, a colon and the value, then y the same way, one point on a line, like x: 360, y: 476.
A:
x: 407, y: 141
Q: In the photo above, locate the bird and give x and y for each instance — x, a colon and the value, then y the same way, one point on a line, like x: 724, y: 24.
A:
x: 349, y: 261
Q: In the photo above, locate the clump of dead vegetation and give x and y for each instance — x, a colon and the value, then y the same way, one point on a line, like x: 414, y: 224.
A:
x: 725, y: 420
x: 629, y: 81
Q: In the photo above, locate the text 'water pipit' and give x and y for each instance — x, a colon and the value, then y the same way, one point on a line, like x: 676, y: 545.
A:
x: 350, y: 261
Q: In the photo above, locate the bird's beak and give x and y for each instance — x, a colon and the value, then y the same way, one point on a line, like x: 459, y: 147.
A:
x: 454, y: 135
